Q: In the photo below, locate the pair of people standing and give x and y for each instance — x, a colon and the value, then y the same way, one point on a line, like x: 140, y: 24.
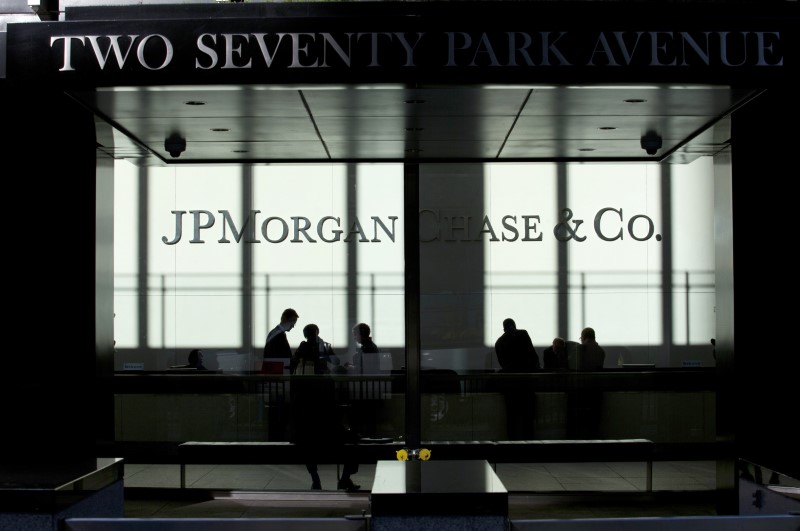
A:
x: 319, y: 426
x: 315, y: 350
x: 319, y: 423
x: 516, y: 354
x: 586, y: 356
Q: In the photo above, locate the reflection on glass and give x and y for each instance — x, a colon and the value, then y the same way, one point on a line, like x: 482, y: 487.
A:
x: 554, y: 247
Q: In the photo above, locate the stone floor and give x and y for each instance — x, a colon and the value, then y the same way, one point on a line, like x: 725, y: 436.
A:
x: 553, y: 490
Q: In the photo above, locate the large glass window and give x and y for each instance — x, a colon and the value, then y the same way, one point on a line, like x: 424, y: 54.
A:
x: 208, y: 257
x: 624, y: 249
x: 214, y: 254
x: 614, y: 259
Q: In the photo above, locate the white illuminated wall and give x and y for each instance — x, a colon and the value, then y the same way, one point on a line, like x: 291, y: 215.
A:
x: 520, y: 275
x: 622, y: 299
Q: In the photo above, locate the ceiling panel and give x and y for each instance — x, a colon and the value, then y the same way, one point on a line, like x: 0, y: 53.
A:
x: 222, y: 128
x: 362, y: 123
x: 246, y: 151
x: 446, y: 101
x: 426, y: 150
x: 401, y: 128
x: 188, y: 102
x: 700, y: 100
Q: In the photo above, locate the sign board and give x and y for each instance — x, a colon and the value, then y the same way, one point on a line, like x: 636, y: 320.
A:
x: 486, y: 42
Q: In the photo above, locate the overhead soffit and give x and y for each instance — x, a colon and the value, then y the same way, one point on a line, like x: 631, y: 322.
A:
x: 247, y: 124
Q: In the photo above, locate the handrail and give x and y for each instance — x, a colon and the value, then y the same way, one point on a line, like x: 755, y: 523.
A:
x: 695, y: 379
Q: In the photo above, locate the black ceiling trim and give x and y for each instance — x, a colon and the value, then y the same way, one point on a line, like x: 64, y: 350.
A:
x: 514, y: 123
x: 314, y: 123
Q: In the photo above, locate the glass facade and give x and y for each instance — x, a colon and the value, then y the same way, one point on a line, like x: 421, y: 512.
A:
x: 208, y: 257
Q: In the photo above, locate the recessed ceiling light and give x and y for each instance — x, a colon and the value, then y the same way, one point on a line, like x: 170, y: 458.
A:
x: 195, y: 102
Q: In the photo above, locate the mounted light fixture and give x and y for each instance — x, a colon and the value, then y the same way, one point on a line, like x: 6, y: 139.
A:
x: 651, y: 142
x: 175, y: 144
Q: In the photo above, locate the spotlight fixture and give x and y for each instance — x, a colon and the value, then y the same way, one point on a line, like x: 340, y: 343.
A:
x: 651, y: 142
x: 175, y: 144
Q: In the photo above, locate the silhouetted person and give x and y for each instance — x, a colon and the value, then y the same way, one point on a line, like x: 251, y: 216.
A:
x: 277, y: 344
x: 277, y: 347
x: 318, y: 422
x: 516, y: 354
x: 195, y: 360
x: 365, y: 359
x: 314, y: 353
x: 591, y: 356
x: 585, y: 406
x: 365, y: 362
x: 555, y: 356
x: 515, y: 350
